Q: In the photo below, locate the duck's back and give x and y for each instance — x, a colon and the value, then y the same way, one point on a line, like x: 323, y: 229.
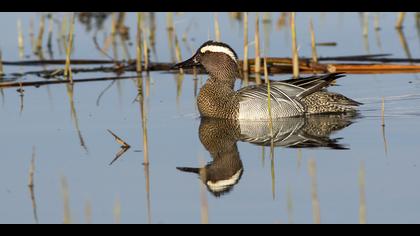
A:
x: 253, y: 102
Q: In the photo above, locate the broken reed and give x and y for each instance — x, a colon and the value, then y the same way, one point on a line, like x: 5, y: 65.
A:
x: 400, y: 20
x: 294, y: 46
x: 245, y: 64
x: 313, y: 45
x: 138, y: 48
x: 67, y: 69
x: 257, y: 64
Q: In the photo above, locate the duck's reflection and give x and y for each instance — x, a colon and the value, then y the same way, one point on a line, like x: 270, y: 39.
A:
x: 219, y: 137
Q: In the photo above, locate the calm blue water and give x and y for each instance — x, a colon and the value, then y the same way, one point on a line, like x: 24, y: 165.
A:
x: 46, y: 122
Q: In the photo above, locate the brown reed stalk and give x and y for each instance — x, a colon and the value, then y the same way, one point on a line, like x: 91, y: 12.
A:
x: 67, y: 69
x: 40, y: 34
x: 257, y: 64
x: 400, y: 20
x: 313, y: 46
x: 216, y: 27
x: 294, y: 46
x: 20, y: 39
x: 245, y: 63
x: 138, y: 45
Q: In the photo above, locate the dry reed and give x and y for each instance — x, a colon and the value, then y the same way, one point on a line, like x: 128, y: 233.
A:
x: 257, y: 64
x: 40, y: 34
x: 138, y: 44
x: 400, y: 20
x: 245, y: 63
x: 31, y: 185
x: 294, y: 46
x: 20, y: 39
x: 145, y: 51
x: 216, y: 27
x: 313, y: 46
x: 67, y: 69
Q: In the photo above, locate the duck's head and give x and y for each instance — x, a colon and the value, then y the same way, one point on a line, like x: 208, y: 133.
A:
x: 218, y: 58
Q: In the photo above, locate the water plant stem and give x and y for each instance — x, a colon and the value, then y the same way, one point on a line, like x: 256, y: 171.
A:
x: 294, y: 46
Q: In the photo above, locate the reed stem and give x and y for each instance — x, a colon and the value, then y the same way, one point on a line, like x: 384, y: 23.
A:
x: 40, y: 34
x: 245, y: 63
x: 400, y: 20
x: 138, y: 48
x: 383, y: 112
x: 294, y: 46
x: 267, y: 81
x: 20, y: 39
x: 67, y: 69
x: 257, y: 63
x: 216, y: 27
x: 145, y: 51
x: 313, y: 45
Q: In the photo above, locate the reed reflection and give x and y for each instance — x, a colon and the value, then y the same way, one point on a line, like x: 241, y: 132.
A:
x: 220, y: 137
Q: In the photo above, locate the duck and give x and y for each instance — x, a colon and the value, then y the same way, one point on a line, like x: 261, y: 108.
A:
x: 289, y: 98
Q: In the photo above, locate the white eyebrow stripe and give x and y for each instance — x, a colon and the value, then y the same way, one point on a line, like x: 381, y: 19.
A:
x: 214, y: 48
